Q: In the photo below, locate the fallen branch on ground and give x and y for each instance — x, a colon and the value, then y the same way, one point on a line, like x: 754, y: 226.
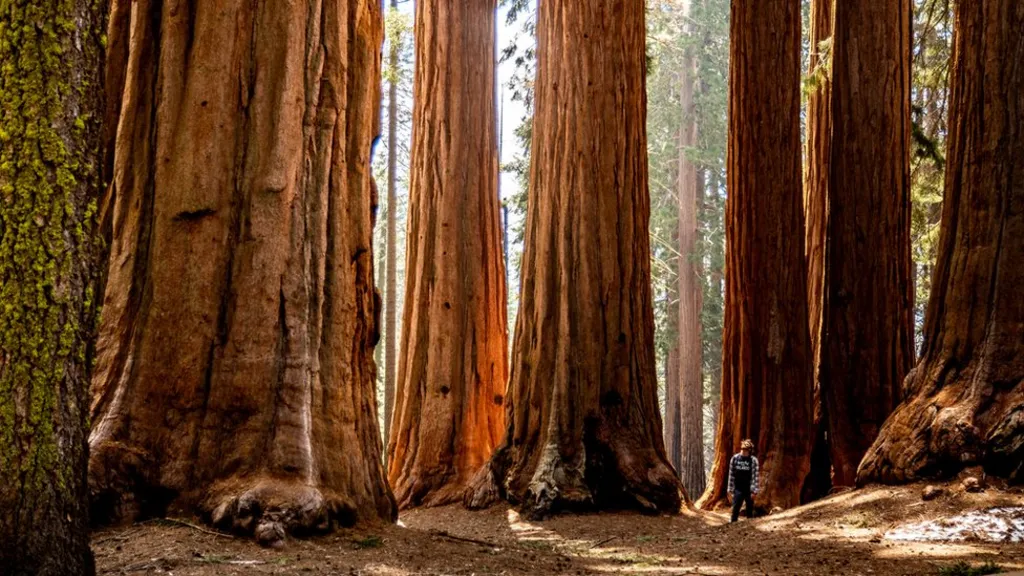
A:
x: 189, y: 525
x: 443, y: 534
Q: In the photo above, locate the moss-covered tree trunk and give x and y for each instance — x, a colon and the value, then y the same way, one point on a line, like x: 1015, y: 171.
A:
x: 50, y: 185
x: 867, y: 332
x: 583, y: 424
x: 964, y: 401
x: 766, y: 383
x: 454, y: 367
x: 235, y: 374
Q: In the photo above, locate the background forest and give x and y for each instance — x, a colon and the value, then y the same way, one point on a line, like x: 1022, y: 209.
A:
x: 682, y: 35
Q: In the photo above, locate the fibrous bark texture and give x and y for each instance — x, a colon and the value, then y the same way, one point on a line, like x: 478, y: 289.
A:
x: 688, y: 454
x: 235, y: 373
x: 766, y: 382
x: 965, y: 400
x: 50, y: 184
x: 816, y: 178
x: 867, y: 313
x: 583, y: 424
x: 454, y: 364
x: 819, y: 152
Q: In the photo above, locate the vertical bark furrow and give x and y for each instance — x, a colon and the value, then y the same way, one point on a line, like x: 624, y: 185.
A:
x: 816, y: 179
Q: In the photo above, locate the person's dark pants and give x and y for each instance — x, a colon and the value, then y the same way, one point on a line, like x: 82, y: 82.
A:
x: 738, y: 498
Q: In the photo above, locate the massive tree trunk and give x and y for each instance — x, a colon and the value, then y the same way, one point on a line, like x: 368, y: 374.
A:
x: 50, y: 184
x: 235, y: 373
x: 867, y: 330
x: 816, y: 178
x: 454, y: 367
x: 583, y: 424
x: 691, y: 384
x: 391, y: 283
x: 965, y: 400
x: 766, y: 385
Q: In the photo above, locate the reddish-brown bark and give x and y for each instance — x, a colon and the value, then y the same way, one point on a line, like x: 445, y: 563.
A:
x: 454, y: 363
x: 964, y: 401
x: 766, y: 383
x: 866, y: 340
x: 816, y: 177
x: 235, y: 374
x: 583, y: 424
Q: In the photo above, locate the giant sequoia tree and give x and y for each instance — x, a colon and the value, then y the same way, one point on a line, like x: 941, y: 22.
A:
x: 583, y: 425
x: 866, y: 340
x: 766, y: 383
x: 816, y: 178
x: 235, y: 372
x: 965, y: 399
x: 452, y: 377
x: 50, y: 182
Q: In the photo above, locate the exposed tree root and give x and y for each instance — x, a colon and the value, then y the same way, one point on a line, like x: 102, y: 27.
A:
x: 269, y: 509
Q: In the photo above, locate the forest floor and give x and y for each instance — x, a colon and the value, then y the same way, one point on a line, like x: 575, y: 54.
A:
x: 845, y: 534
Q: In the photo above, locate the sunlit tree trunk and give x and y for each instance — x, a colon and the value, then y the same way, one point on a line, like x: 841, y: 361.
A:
x: 867, y: 330
x: 235, y: 374
x: 583, y: 424
x: 766, y: 383
x: 816, y: 178
x: 454, y: 367
x: 50, y: 184
x: 964, y: 401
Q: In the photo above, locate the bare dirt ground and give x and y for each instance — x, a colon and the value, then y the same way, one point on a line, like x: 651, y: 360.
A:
x: 841, y: 535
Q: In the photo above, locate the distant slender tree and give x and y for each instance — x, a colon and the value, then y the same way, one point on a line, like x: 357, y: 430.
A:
x: 687, y: 453
x: 867, y: 331
x: 964, y: 401
x: 766, y: 385
x: 234, y: 370
x: 454, y: 356
x: 583, y: 424
x: 391, y: 266
x: 50, y: 185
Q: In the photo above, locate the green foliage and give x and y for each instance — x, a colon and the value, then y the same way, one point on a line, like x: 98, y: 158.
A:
x: 933, y: 20
x: 46, y: 232
x: 962, y: 568
x: 705, y: 35
x: 368, y: 542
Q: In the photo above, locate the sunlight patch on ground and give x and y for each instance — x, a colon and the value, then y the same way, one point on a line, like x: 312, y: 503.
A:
x: 998, y: 525
x: 673, y: 570
x: 788, y: 518
x: 920, y: 550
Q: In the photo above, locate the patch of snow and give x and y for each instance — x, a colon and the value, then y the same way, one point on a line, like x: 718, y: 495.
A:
x: 1001, y: 525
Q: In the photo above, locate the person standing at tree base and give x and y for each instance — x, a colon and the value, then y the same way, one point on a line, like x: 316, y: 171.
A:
x: 743, y: 480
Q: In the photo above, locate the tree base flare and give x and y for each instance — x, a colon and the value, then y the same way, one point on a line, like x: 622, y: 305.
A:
x: 937, y: 435
x: 605, y: 479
